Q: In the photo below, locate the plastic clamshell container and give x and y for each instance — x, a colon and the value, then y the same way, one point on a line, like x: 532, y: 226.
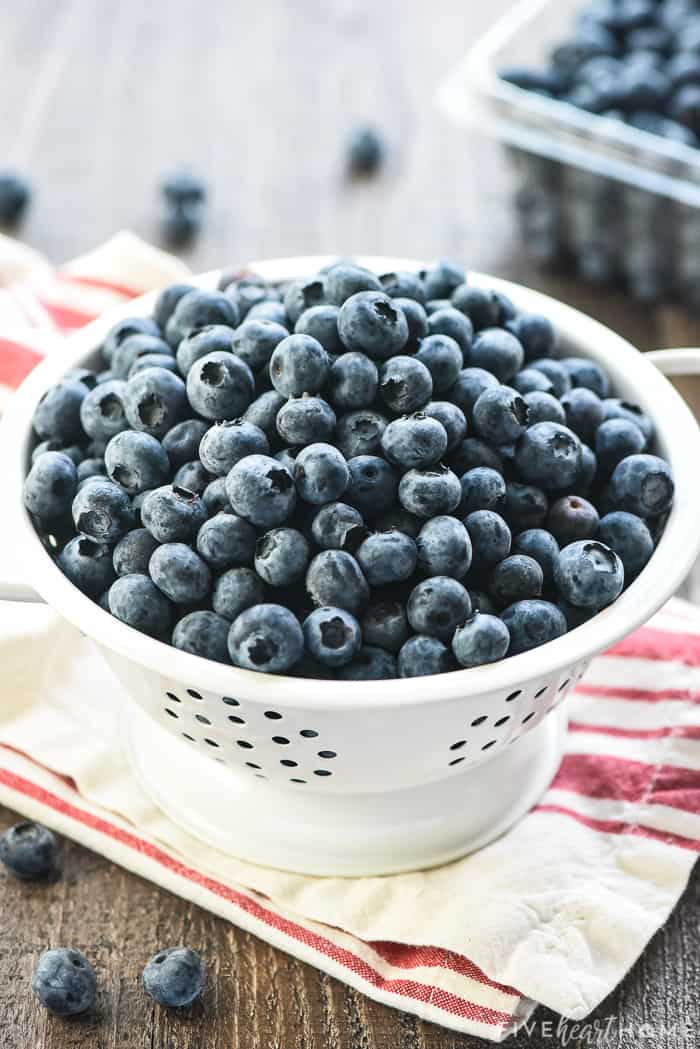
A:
x: 621, y: 203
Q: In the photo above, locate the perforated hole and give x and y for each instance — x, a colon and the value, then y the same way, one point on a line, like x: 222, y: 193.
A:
x: 282, y: 740
x: 211, y: 742
x: 308, y: 733
x: 273, y: 715
x: 293, y: 780
x: 204, y: 720
x: 173, y: 697
x: 514, y: 695
x: 190, y: 738
x: 289, y: 764
x: 479, y: 721
x: 230, y: 701
x: 193, y: 693
x: 259, y: 775
x: 501, y: 721
x: 490, y: 743
x: 541, y: 692
x: 456, y: 761
x: 172, y: 713
x: 564, y: 684
x: 528, y: 716
x: 327, y: 754
x: 459, y: 744
x: 252, y: 765
x: 322, y: 772
x: 236, y: 720
x: 244, y: 744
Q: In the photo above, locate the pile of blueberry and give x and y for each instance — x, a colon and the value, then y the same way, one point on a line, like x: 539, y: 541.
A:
x: 350, y: 476
x: 64, y: 981
x: 634, y: 60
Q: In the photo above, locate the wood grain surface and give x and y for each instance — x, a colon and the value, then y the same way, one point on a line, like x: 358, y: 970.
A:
x: 97, y: 100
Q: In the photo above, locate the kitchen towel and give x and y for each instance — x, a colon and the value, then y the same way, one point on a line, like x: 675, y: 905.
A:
x: 556, y: 911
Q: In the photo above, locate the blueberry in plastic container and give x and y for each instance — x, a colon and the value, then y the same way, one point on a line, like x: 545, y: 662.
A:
x: 50, y: 486
x: 437, y: 606
x: 629, y: 537
x: 360, y: 432
x: 180, y: 573
x: 203, y: 634
x: 335, y: 578
x: 384, y: 624
x: 430, y: 492
x: 64, y: 982
x: 136, y: 461
x: 102, y: 511
x: 387, y: 557
x: 490, y: 537
x: 281, y: 556
x: 332, y: 636
x: 369, y: 322
x: 423, y: 655
x: 173, y: 514
x: 174, y: 978
x: 267, y: 638
x: 414, y: 441
x: 482, y: 639
x: 532, y: 623
x: 88, y: 565
x: 642, y: 485
x: 370, y: 664
x: 589, y: 574
x: 261, y: 490
x: 235, y: 590
x: 28, y: 851
x: 444, y: 548
x: 306, y: 420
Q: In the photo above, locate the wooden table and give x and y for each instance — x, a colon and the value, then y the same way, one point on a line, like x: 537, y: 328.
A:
x: 97, y: 101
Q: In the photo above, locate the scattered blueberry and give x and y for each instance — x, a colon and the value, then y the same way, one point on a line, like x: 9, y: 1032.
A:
x: 64, y: 982
x: 365, y: 151
x: 15, y: 194
x: 28, y: 851
x: 174, y: 978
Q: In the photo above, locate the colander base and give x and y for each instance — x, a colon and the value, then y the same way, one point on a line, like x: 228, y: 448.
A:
x: 343, y: 835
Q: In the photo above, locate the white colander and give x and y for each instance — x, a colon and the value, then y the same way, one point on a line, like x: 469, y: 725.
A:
x: 346, y: 778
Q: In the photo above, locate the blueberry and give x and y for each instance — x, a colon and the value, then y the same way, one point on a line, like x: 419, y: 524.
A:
x: 541, y: 545
x: 402, y: 284
x: 226, y: 540
x: 437, y: 606
x: 174, y: 978
x: 215, y: 497
x: 166, y: 302
x: 555, y: 372
x: 498, y: 352
x: 102, y: 410
x: 535, y: 334
x: 173, y: 514
x: 360, y: 433
x: 384, y: 625
x: 483, y: 638
x: 15, y: 194
x: 347, y: 279
x: 433, y: 305
x: 454, y: 325
x: 57, y: 415
x: 515, y: 578
x: 301, y: 295
x: 332, y: 636
x: 136, y: 461
x: 614, y: 408
x: 482, y: 489
x: 500, y: 415
x: 124, y: 329
x: 50, y: 486
x: 193, y: 476
x: 525, y: 506
x: 83, y: 375
x: 182, y: 441
x: 215, y: 338
x: 364, y: 151
x: 261, y: 490
x: 444, y: 548
x: 220, y: 386
x: 478, y: 304
x: 203, y: 634
x: 154, y: 400
x: 338, y: 526
x: 387, y: 557
x: 442, y: 356
x: 370, y: 664
x: 28, y: 851
x: 548, y: 455
x: 320, y: 473
x: 90, y: 468
x: 369, y: 322
x: 543, y: 407
x: 530, y: 380
x: 642, y: 485
x: 321, y: 323
x: 180, y: 223
x: 441, y: 278
x: 249, y: 291
x: 451, y: 418
x: 584, y: 412
x: 532, y: 623
x: 405, y: 384
x: 281, y: 556
x: 199, y: 309
x: 299, y: 364
x: 153, y: 360
x: 490, y: 537
x: 180, y: 573
x: 414, y: 441
x: 269, y: 310
x: 373, y: 485
x: 586, y: 373
x: 287, y: 456
x: 226, y: 443
x: 64, y: 982
x: 87, y: 564
x: 615, y: 439
x: 428, y: 493
x: 133, y: 349
x: 182, y: 187
x: 589, y: 574
x: 571, y: 518
x: 235, y: 590
x: 73, y: 451
x: 102, y: 511
x: 256, y: 340
x: 416, y: 319
x: 353, y: 381
x: 473, y: 452
x: 133, y: 552
x: 422, y: 655
x: 266, y: 638
x: 262, y: 412
x: 335, y: 578
x: 402, y: 520
x: 629, y: 537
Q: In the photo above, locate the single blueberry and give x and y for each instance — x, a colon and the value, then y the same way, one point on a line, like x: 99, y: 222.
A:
x: 235, y: 590
x: 255, y: 341
x: 88, y: 565
x: 555, y: 372
x: 321, y: 474
x: 364, y: 151
x: 193, y: 476
x: 482, y: 489
x: 124, y: 329
x: 387, y: 557
x: 525, y: 506
x: 301, y: 295
x: 306, y: 420
x: 299, y: 364
x: 615, y: 439
x: 589, y: 574
x: 332, y: 636
x: 166, y: 302
x: 215, y: 498
x: 133, y: 349
x: 182, y: 441
x: 452, y: 324
x: 451, y: 418
x: 584, y: 412
x: 338, y: 526
x: 174, y: 978
x: 489, y: 535
x: 261, y: 490
x: 498, y: 352
x: 532, y: 623
x: 173, y: 514
x: 220, y: 386
x: 468, y: 388
x: 483, y: 638
x: 203, y: 634
x: 472, y: 452
x: 444, y: 548
x: 515, y: 578
x: 541, y: 545
x: 370, y: 322
x: 437, y: 606
x: 416, y: 319
x: 422, y: 655
x: 443, y: 358
x: 548, y: 455
x: 64, y: 982
x: 535, y: 333
x: 614, y: 408
x: 102, y: 511
x: 642, y: 485
x: 543, y: 407
x: 405, y: 384
x: 215, y: 338
x: 154, y: 400
x: 133, y: 552
x: 414, y: 441
x: 102, y: 411
x: 281, y: 556
x: 384, y: 625
x: 441, y: 278
x: 346, y: 279
x: 360, y: 433
x: 28, y: 851
x: 152, y: 360
x: 136, y: 461
x: 478, y: 304
x: 226, y: 443
x: 321, y: 323
x: 266, y: 638
x: 500, y: 415
x: 180, y: 573
x: 91, y: 468
x: 335, y: 578
x: 428, y: 493
x: 353, y: 381
x: 629, y: 537
x: 226, y: 540
x: 50, y: 486
x: 373, y: 485
x: 262, y: 412
x: 402, y: 520
x: 57, y: 415
x: 199, y: 309
x: 571, y: 517
x: 402, y: 284
x: 586, y: 373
